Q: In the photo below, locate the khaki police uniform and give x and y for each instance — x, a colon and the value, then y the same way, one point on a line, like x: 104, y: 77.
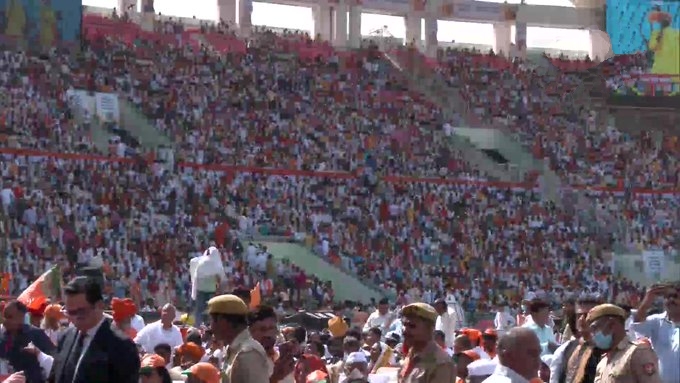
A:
x: 627, y: 362
x: 245, y: 360
x: 432, y: 364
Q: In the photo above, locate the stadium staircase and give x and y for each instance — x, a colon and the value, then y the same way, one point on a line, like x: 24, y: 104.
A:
x: 345, y: 286
x: 443, y: 98
x: 98, y: 134
x: 140, y: 127
x: 449, y: 97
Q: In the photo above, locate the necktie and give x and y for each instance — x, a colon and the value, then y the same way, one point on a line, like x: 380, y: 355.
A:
x: 69, y: 371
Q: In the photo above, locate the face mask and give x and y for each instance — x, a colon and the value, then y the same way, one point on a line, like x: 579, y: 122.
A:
x: 603, y: 342
x: 355, y: 374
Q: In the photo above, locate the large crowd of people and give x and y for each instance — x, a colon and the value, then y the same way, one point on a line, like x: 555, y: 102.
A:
x: 363, y: 210
x: 283, y: 135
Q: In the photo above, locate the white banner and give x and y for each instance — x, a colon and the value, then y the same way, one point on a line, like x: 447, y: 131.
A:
x: 83, y: 100
x: 654, y: 263
x: 107, y: 107
x: 103, y: 105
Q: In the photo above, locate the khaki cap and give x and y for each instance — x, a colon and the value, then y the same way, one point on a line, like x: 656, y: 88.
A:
x: 605, y: 310
x: 227, y: 304
x: 420, y: 310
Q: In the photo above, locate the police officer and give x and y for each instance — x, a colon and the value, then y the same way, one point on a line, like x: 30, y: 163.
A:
x: 425, y: 361
x: 624, y: 361
x: 246, y: 359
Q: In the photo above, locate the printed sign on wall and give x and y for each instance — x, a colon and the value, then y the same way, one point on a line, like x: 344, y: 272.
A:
x: 103, y: 105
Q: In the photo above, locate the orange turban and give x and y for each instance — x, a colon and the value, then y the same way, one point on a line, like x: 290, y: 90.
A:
x: 123, y: 309
x: 153, y: 361
x: 53, y: 311
x: 473, y: 334
x: 191, y: 350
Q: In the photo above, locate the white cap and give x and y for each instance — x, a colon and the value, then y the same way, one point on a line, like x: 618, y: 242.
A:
x: 547, y: 359
x: 482, y: 367
x: 356, y: 357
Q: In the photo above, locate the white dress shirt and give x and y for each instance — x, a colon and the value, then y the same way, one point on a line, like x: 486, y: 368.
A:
x: 503, y: 374
x: 558, y: 363
x: 447, y: 322
x: 503, y: 322
x: 381, y: 321
x: 154, y: 334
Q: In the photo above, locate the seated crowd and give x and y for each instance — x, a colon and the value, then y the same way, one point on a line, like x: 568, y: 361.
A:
x: 252, y: 121
x: 540, y: 109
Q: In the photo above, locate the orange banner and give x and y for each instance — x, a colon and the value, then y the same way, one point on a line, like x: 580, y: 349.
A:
x: 328, y: 174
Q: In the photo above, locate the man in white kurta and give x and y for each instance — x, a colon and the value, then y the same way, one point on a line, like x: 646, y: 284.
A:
x: 207, y: 273
x: 447, y: 321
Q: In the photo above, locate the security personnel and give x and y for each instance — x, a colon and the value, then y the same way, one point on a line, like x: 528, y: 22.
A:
x: 246, y: 359
x: 624, y: 361
x: 425, y: 361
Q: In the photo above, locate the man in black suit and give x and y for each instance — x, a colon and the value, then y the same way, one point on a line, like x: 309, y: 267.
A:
x: 15, y: 339
x: 92, y: 350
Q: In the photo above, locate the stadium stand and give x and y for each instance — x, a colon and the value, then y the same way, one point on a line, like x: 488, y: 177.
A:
x: 284, y: 135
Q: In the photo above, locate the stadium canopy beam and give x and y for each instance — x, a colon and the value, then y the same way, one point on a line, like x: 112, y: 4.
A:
x: 589, y: 3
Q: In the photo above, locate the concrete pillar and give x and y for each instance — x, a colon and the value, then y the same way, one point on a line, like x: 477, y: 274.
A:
x: 245, y: 15
x: 226, y: 11
x: 322, y: 21
x: 431, y: 42
x: 129, y: 6
x: 355, y: 26
x: 340, y: 25
x: 502, y: 41
x: 600, y: 45
x: 413, y: 29
x: 521, y: 39
x: 147, y: 6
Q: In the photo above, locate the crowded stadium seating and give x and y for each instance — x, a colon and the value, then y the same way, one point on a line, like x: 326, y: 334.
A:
x: 286, y: 133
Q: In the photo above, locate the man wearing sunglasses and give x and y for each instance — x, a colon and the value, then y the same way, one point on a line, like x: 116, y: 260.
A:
x: 92, y: 350
x: 663, y: 330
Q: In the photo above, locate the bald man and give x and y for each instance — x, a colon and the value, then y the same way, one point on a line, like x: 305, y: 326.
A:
x: 519, y: 357
x: 162, y: 331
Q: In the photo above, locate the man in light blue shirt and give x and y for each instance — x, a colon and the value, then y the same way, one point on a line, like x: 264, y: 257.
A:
x: 540, y: 313
x: 663, y: 330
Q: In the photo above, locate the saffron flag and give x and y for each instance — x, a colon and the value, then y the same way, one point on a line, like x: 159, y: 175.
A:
x: 447, y: 9
x: 255, y: 296
x: 42, y: 289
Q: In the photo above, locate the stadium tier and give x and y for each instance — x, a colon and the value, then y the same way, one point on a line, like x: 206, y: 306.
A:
x: 284, y: 135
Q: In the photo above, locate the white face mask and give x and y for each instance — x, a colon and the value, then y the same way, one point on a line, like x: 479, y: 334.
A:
x: 355, y: 374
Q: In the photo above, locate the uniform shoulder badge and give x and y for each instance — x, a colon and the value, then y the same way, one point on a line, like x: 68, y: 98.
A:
x: 649, y: 368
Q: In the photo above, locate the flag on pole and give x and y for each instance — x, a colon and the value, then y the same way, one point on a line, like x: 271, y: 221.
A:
x: 44, y: 288
x: 255, y: 296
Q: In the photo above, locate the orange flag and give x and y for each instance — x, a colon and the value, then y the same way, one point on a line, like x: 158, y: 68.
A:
x: 255, y: 296
x: 40, y: 291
